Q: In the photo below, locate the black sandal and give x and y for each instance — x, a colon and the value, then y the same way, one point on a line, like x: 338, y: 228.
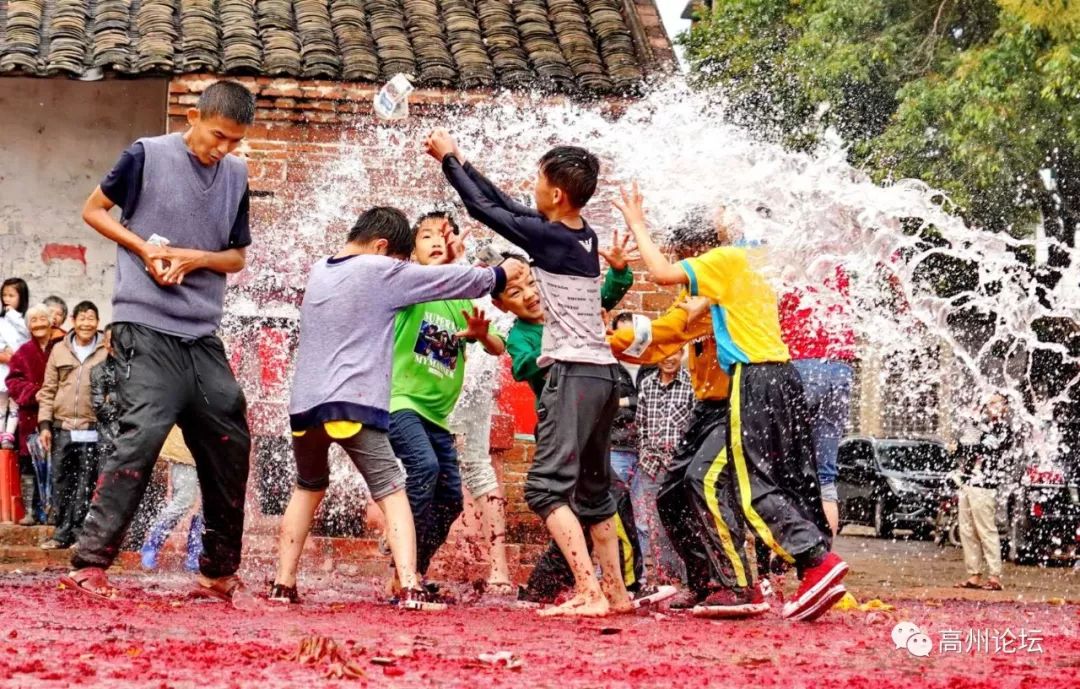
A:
x: 284, y: 594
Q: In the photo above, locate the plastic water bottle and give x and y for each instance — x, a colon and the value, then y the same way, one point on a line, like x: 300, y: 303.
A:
x: 392, y: 100
x: 157, y: 240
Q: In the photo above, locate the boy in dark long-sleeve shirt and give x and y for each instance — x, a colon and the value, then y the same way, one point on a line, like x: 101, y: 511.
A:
x: 570, y: 480
x: 552, y: 573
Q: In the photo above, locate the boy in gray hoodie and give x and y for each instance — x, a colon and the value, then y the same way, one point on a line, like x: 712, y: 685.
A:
x: 341, y: 387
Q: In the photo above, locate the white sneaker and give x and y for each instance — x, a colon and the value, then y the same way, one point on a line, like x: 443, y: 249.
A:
x: 651, y: 595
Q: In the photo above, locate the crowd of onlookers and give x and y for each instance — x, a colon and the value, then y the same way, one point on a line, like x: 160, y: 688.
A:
x: 50, y: 359
x: 57, y: 414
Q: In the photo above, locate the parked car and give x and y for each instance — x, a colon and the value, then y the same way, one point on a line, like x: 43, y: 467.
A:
x: 891, y: 483
x: 1039, y: 515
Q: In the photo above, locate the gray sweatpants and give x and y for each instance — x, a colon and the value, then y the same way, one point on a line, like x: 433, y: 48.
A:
x: 572, y: 465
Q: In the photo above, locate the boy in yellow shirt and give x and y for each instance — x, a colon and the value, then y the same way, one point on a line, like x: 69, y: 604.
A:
x: 769, y: 443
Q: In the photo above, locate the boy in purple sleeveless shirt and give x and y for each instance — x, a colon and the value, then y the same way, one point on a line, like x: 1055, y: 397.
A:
x: 168, y: 301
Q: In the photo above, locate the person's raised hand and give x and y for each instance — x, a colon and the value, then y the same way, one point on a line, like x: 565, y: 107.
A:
x: 477, y: 326
x: 630, y: 203
x: 455, y: 243
x: 440, y: 144
x: 514, y: 269
x: 695, y: 307
x: 620, y: 253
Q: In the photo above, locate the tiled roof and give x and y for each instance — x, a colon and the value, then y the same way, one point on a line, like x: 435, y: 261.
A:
x: 589, y: 45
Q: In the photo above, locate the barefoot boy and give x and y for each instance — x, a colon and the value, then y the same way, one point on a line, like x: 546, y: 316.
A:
x: 522, y: 299
x: 570, y: 480
x: 341, y: 387
x: 768, y: 436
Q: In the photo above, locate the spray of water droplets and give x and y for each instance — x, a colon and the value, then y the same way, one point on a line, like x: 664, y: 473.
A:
x: 814, y: 212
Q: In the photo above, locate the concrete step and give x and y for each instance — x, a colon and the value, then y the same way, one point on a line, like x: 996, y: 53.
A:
x: 458, y: 560
x: 32, y: 557
x: 15, y: 535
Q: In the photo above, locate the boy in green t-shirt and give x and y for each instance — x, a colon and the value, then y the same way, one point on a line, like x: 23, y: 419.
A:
x: 429, y: 369
x: 522, y: 299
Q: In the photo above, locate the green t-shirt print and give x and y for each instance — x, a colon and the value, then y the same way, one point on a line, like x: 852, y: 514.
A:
x: 429, y: 360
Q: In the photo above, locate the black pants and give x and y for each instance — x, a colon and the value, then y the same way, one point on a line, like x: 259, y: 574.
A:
x: 74, y: 475
x: 163, y: 380
x: 688, y: 504
x: 572, y: 465
x: 552, y: 573
x: 771, y: 450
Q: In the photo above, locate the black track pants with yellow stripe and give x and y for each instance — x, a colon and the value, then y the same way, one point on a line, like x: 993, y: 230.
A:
x: 771, y: 452
x: 552, y: 574
x: 705, y: 529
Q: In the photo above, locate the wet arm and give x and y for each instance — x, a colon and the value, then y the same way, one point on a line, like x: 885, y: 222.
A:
x: 412, y: 283
x: 526, y: 231
x: 524, y: 353
x: 47, y: 395
x: 616, y: 284
x: 670, y: 333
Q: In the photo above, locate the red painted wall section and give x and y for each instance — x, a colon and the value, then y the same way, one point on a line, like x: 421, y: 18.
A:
x: 517, y: 408
x: 63, y: 252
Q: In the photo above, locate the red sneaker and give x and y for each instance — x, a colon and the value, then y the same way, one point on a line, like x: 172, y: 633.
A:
x: 727, y: 603
x: 820, y: 585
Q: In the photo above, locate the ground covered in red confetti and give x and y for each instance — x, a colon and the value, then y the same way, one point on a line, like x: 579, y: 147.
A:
x: 157, y: 637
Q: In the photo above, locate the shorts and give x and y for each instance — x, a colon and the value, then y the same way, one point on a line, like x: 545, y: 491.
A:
x: 828, y: 492
x: 471, y: 424
x: 369, y: 450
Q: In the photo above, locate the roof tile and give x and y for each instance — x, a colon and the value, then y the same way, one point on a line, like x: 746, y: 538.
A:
x: 568, y: 45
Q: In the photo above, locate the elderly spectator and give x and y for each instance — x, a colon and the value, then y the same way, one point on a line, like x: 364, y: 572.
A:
x: 68, y: 425
x: 58, y: 312
x: 986, y: 464
x: 25, y: 376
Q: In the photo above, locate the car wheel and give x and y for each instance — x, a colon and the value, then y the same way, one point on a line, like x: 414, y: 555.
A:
x: 883, y: 526
x: 923, y: 533
x: 954, y: 533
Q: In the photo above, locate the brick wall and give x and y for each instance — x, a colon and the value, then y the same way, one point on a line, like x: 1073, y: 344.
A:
x: 303, y: 130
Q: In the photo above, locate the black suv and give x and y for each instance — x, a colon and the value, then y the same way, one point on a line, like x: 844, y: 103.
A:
x: 889, y: 483
x: 1039, y: 515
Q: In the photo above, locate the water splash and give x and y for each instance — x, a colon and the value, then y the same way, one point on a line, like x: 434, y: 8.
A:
x: 813, y: 210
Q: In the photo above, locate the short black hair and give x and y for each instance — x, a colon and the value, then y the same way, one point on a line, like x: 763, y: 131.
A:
x: 384, y: 222
x: 228, y: 99
x: 508, y: 255
x: 621, y: 317
x: 574, y: 170
x: 694, y: 233
x: 83, y: 307
x: 107, y: 329
x: 53, y: 300
x: 24, y: 294
x: 440, y: 215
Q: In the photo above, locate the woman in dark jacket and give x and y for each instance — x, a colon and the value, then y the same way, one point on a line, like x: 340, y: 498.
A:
x: 26, y: 373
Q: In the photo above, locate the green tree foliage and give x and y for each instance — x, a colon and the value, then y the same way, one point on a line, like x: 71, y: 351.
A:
x: 973, y: 96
